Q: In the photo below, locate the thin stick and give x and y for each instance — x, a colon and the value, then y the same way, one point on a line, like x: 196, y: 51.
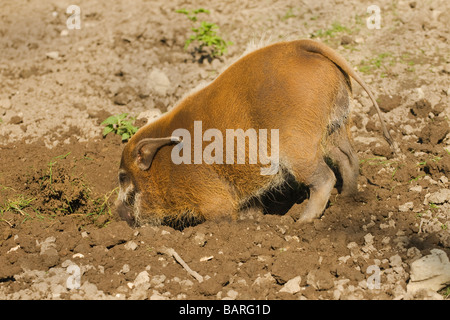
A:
x: 177, y: 257
x: 4, y: 220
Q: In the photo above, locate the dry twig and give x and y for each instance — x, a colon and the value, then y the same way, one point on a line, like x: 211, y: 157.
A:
x: 176, y: 256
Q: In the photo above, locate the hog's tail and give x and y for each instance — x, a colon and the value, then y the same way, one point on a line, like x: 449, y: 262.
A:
x: 317, y: 47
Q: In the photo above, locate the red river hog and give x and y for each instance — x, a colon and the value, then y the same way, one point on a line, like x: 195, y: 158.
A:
x: 279, y: 112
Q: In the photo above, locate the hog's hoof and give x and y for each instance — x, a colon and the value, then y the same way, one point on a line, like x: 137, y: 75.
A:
x: 305, y: 220
x: 296, y: 211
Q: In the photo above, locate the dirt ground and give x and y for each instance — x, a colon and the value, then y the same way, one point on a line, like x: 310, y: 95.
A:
x: 59, y: 235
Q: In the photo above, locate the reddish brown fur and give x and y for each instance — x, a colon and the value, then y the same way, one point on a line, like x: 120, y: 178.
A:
x: 290, y: 86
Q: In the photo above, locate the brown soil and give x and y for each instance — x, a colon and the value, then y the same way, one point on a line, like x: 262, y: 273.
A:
x: 58, y: 175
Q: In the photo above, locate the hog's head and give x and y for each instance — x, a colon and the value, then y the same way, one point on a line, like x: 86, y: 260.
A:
x: 137, y: 158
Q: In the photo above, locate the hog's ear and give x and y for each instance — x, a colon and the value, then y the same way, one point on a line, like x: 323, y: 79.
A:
x: 146, y: 150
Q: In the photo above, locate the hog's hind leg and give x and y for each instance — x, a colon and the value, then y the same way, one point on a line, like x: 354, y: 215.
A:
x: 320, y: 183
x: 320, y: 187
x: 342, y: 154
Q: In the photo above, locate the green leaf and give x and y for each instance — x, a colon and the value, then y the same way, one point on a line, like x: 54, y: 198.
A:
x: 183, y: 11
x: 108, y: 129
x: 125, y: 136
x: 201, y: 10
x: 122, y: 116
x: 129, y: 126
x: 110, y: 120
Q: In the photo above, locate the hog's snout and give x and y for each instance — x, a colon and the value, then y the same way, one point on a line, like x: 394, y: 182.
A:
x: 125, y: 212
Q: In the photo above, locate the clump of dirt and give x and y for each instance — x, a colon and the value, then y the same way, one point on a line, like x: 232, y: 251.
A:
x: 421, y: 108
x: 434, y: 132
x: 58, y: 192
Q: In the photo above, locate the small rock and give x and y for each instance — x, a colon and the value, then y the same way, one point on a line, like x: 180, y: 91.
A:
x: 199, y: 239
x: 50, y: 257
x: 16, y: 120
x: 413, y: 253
x: 292, y: 286
x: 131, y: 245
x: 142, y: 278
x: 417, y: 188
x: 159, y: 82
x: 343, y: 259
x: 354, y: 248
x: 346, y: 40
x: 408, y: 129
x: 158, y: 280
x: 67, y: 263
x: 440, y: 107
x: 186, y: 284
x: 52, y: 55
x: 406, y: 206
x: 439, y: 197
x: 395, y: 261
x: 203, y: 259
x: 5, y: 104
x: 125, y: 268
x: 420, y: 93
x: 41, y: 286
x: 430, y: 181
x: 48, y: 243
x: 90, y: 289
x: 124, y: 95
x: 368, y: 238
x: 430, y: 272
x: 265, y: 280
x: 57, y: 290
x: 157, y: 296
x: 320, y: 280
x: 232, y: 294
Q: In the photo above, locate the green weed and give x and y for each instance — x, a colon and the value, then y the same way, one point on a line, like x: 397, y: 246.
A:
x: 336, y: 28
x: 17, y: 205
x: 21, y: 205
x: 368, y: 66
x: 417, y: 178
x: 446, y: 293
x: 433, y: 205
x: 289, y: 14
x: 209, y: 44
x: 52, y: 163
x: 121, y: 125
x: 101, y: 205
